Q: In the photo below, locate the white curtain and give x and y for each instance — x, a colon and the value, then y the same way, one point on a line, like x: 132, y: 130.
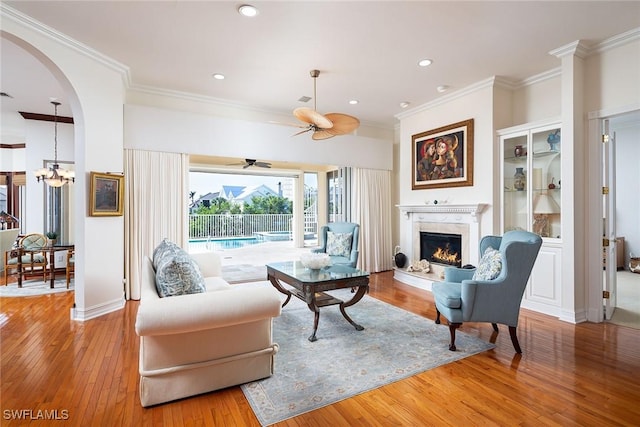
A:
x: 155, y: 208
x: 371, y: 208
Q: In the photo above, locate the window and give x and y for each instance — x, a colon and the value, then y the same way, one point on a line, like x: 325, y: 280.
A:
x: 339, y: 197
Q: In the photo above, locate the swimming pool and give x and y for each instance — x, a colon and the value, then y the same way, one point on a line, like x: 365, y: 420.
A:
x: 220, y: 244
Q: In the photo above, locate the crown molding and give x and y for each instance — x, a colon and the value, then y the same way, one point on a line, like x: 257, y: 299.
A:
x: 52, y: 34
x: 483, y: 84
x: 617, y: 40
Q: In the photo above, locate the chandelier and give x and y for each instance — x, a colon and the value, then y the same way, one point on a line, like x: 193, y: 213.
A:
x: 55, y: 176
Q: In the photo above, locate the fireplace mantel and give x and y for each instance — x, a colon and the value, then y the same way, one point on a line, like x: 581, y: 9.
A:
x: 474, y: 210
x: 443, y: 218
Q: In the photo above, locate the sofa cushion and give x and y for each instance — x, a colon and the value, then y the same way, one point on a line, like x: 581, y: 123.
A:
x: 490, y: 265
x: 339, y: 244
x: 176, y: 272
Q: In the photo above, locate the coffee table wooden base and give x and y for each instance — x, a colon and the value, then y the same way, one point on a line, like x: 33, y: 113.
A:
x: 315, y: 297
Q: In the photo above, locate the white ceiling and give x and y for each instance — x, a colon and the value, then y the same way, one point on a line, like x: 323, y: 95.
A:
x: 365, y: 50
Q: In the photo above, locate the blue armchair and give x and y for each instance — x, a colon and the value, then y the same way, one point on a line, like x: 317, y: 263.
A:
x: 489, y: 293
x: 336, y: 242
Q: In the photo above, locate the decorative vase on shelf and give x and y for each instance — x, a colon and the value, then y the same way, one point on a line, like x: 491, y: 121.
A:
x: 554, y: 139
x: 519, y: 180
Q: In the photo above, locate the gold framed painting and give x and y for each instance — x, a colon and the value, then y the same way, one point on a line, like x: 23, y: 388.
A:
x: 443, y: 157
x: 107, y: 194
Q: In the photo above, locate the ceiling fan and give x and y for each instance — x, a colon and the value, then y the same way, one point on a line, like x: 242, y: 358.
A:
x: 252, y: 162
x: 324, y: 126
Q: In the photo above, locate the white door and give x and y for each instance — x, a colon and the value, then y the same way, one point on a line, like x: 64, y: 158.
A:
x: 609, y: 222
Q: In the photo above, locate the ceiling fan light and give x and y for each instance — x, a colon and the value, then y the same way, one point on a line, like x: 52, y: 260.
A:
x: 248, y: 10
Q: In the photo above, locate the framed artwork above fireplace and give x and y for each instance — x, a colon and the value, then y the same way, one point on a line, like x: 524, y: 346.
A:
x: 443, y: 157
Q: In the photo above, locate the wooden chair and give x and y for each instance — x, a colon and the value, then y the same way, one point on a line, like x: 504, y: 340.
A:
x: 71, y: 265
x: 34, y: 260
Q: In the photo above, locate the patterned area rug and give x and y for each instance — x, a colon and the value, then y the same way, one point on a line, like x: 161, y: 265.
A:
x: 343, y: 362
x: 35, y: 287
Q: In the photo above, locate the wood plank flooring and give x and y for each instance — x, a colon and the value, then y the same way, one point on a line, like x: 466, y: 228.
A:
x: 568, y: 375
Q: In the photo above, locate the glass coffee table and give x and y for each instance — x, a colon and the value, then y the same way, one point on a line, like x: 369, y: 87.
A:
x: 311, y: 285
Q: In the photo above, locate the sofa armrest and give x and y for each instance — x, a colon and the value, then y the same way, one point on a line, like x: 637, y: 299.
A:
x: 209, y: 263
x: 209, y: 310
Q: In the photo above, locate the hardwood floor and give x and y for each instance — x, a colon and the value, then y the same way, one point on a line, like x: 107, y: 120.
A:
x: 568, y: 375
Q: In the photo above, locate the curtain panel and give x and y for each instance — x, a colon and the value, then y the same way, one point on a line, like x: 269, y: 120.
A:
x: 155, y: 208
x: 371, y: 208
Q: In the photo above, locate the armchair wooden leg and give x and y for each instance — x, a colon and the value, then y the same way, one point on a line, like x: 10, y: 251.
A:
x: 437, y: 316
x: 452, y: 331
x: 495, y: 327
x: 514, y: 339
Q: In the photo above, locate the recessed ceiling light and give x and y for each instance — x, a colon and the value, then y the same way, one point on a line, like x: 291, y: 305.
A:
x: 425, y: 62
x: 404, y: 104
x: 353, y: 101
x: 218, y: 76
x: 248, y: 10
x: 442, y: 88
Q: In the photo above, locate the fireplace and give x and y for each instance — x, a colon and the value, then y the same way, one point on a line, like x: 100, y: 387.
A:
x: 441, y: 248
x: 458, y: 220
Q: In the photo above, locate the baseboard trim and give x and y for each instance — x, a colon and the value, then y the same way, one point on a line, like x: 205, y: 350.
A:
x: 82, y: 315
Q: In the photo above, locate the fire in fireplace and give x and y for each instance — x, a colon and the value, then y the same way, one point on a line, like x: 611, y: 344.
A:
x: 441, y: 248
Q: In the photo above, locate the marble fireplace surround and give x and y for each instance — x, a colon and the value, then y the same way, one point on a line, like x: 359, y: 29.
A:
x: 444, y: 218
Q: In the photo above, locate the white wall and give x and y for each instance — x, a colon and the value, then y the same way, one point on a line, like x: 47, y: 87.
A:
x: 94, y: 86
x: 478, y: 105
x: 161, y: 129
x: 537, y: 99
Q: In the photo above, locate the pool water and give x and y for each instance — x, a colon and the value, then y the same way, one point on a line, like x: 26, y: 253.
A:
x: 221, y: 244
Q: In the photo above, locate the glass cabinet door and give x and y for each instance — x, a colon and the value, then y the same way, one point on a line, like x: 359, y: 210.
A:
x: 546, y: 184
x: 515, y: 177
x: 531, y: 179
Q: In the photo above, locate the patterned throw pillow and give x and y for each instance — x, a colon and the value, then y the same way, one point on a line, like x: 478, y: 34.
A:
x: 490, y: 265
x: 339, y: 244
x: 176, y: 272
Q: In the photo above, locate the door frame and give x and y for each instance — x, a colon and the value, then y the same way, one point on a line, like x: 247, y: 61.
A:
x: 592, y: 174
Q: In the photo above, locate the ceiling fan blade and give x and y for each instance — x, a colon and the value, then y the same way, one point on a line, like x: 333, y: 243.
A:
x: 302, y: 131
x: 322, y: 134
x: 263, y: 164
x: 310, y: 116
x: 342, y: 123
x: 295, y: 125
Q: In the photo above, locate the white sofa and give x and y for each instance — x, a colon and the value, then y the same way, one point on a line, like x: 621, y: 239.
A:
x: 192, y: 344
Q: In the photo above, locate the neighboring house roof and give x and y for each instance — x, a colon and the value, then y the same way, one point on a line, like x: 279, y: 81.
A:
x: 236, y: 194
x: 250, y: 192
x: 230, y: 192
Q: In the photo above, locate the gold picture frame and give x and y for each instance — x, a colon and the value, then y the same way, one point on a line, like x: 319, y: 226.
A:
x: 107, y: 194
x: 443, y: 157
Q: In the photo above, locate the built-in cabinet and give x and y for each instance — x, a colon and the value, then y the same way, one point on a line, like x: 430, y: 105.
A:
x: 531, y: 199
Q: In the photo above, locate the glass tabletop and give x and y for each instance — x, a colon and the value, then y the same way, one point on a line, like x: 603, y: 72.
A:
x: 296, y: 270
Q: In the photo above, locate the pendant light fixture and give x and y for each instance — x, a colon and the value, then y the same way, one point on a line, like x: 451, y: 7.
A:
x: 55, y: 176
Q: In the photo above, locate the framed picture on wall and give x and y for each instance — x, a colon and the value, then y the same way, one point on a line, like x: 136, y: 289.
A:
x: 443, y: 157
x: 107, y: 194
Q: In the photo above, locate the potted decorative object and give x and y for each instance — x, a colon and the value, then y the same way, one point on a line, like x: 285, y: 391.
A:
x: 52, y: 236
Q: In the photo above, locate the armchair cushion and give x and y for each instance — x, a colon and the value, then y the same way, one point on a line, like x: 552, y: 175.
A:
x: 176, y: 272
x: 490, y: 265
x: 339, y: 244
